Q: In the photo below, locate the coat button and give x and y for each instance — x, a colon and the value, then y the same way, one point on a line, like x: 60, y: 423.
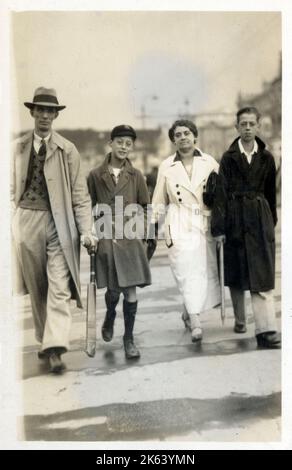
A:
x: 177, y: 185
x: 180, y: 200
x: 178, y: 193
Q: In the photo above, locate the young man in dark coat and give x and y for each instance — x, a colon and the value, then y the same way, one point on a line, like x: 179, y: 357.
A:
x: 117, y: 188
x: 244, y: 216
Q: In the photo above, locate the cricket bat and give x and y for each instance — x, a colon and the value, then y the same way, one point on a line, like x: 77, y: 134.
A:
x: 91, y: 310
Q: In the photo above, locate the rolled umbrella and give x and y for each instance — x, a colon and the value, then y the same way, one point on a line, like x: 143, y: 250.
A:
x: 221, y: 275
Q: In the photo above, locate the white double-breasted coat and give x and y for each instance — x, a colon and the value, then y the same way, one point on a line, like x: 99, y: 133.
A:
x: 191, y: 248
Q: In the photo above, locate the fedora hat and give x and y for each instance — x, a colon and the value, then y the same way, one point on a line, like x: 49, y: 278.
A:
x: 44, y: 97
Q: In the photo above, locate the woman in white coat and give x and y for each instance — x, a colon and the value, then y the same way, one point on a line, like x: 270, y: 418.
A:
x: 179, y: 190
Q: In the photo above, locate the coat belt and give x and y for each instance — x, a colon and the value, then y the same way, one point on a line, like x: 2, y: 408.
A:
x: 246, y: 194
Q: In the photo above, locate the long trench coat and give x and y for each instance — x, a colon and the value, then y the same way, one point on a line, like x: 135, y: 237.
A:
x: 69, y: 201
x: 121, y: 261
x: 191, y: 249
x: 245, y: 211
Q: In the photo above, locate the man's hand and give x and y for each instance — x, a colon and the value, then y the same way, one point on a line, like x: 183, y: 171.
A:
x: 89, y: 242
x: 220, y: 239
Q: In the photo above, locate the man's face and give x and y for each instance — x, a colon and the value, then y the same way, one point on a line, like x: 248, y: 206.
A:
x: 184, y: 139
x: 43, y: 117
x: 121, y: 147
x: 247, y: 127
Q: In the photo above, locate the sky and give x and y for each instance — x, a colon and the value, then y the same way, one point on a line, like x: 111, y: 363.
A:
x: 106, y: 66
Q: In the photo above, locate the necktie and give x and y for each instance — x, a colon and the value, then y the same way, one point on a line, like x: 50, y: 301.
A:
x: 42, y: 149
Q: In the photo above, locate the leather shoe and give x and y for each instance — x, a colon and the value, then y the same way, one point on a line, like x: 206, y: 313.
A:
x: 107, y: 330
x: 56, y: 364
x: 131, y: 350
x: 268, y: 340
x: 239, y: 328
x: 187, y: 322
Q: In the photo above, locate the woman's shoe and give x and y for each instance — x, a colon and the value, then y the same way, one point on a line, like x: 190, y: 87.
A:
x: 196, y: 335
x: 186, y: 319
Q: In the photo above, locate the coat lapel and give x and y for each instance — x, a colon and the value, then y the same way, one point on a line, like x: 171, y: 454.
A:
x: 179, y: 174
x: 22, y: 162
x: 105, y: 175
x: 125, y: 175
x: 54, y: 142
x: 123, y: 180
x: 108, y: 181
x: 199, y: 172
x: 244, y: 167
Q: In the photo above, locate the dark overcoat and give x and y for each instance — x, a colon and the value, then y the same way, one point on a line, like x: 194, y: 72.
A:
x: 120, y: 262
x: 245, y: 211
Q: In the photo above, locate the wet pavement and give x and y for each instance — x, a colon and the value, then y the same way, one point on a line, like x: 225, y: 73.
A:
x: 222, y: 390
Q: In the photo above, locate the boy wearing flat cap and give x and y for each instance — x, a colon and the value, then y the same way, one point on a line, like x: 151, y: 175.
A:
x: 116, y: 187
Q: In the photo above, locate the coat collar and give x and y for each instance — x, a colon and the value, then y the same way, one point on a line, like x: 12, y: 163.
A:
x: 126, y: 167
x: 234, y: 147
x: 55, y: 141
x: 197, y: 153
x: 240, y: 159
x: 127, y: 171
x: 180, y: 176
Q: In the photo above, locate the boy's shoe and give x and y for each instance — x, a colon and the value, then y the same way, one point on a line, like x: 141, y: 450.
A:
x: 239, y: 328
x: 131, y: 350
x: 268, y: 340
x: 107, y: 329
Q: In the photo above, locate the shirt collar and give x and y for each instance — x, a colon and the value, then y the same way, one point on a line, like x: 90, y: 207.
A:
x: 242, y: 150
x: 110, y: 167
x: 38, y: 139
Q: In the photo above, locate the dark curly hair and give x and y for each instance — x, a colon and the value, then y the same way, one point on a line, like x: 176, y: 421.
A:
x: 248, y: 110
x: 185, y: 123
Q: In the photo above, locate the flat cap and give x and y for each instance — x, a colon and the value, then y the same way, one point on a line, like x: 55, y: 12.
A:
x: 123, y: 131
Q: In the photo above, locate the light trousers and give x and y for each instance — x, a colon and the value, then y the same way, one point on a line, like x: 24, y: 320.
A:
x: 263, y: 308
x: 46, y: 274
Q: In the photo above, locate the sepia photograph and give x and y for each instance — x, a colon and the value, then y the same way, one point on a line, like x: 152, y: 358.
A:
x: 143, y: 274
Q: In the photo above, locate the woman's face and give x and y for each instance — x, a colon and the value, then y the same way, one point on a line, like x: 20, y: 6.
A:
x: 184, y: 139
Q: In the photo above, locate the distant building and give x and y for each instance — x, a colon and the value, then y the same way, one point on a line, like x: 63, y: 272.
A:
x: 269, y: 104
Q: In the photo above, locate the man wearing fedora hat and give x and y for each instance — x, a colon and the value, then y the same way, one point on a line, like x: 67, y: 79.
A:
x: 51, y: 211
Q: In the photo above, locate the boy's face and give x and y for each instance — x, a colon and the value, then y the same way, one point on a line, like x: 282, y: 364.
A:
x: 247, y: 126
x: 121, y: 147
